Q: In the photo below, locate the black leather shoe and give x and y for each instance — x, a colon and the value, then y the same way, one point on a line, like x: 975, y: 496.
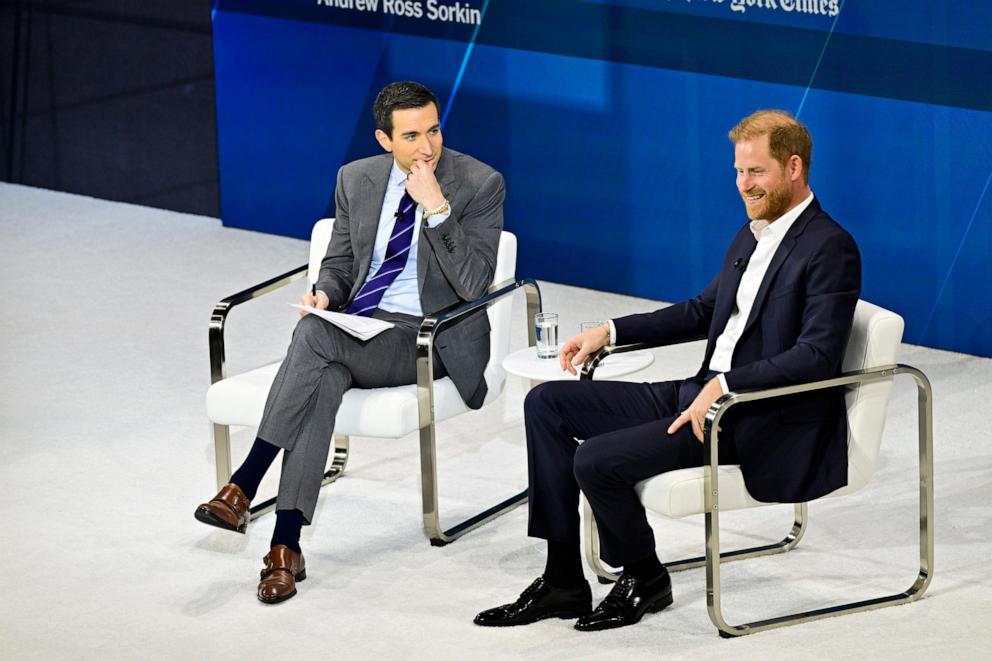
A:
x: 538, y: 602
x: 627, y: 603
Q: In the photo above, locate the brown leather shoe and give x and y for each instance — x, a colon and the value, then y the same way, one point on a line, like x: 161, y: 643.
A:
x: 229, y: 509
x: 283, y: 567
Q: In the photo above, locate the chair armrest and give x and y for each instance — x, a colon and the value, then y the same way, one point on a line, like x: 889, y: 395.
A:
x: 593, y: 360
x: 496, y: 292
x: 431, y: 323
x: 856, y: 377
x: 711, y: 425
x: 219, y: 316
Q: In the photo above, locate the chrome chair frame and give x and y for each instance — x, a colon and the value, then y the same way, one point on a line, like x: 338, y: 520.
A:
x: 425, y: 400
x: 425, y: 408
x: 713, y: 556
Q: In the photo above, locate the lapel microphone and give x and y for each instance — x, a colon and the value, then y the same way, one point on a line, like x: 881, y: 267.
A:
x: 740, y: 264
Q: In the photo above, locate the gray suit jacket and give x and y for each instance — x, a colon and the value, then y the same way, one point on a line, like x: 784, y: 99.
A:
x: 455, y: 264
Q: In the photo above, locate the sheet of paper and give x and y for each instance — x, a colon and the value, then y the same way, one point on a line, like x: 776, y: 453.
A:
x: 361, y: 327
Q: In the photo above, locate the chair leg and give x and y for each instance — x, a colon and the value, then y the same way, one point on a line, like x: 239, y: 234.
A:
x: 338, y: 462
x: 914, y: 592
x: 222, y: 454
x: 604, y: 575
x: 437, y: 535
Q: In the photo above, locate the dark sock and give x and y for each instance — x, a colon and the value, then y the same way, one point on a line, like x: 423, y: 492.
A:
x: 250, y: 474
x: 289, y: 523
x: 645, y: 569
x: 564, y: 567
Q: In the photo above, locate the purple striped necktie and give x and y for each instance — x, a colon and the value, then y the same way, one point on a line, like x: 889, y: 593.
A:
x: 367, y: 300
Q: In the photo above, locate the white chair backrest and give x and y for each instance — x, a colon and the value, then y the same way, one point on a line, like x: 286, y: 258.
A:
x: 499, y: 317
x: 499, y: 313
x: 320, y: 236
x: 874, y: 342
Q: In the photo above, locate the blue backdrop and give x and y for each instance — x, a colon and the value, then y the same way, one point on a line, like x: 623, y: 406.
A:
x: 609, y: 120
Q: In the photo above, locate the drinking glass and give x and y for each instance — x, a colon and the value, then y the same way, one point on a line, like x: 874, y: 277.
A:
x: 546, y: 328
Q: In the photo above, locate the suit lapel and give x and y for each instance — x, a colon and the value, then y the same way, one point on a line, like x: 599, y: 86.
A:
x: 782, y: 254
x: 369, y: 210
x: 445, y: 174
x: 730, y: 282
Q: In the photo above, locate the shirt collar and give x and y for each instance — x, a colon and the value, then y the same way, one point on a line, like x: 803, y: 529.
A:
x: 396, y: 175
x: 779, y: 228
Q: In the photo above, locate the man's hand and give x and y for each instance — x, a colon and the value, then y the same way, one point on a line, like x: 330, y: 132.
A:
x: 422, y: 186
x: 580, y: 346
x: 696, y: 413
x: 319, y: 301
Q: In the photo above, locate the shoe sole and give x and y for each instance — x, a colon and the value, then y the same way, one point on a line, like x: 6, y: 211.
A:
x: 561, y: 615
x: 661, y: 604
x: 302, y: 576
x: 207, y: 517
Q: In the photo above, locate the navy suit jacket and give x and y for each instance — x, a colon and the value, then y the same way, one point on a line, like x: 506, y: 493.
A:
x: 791, y: 449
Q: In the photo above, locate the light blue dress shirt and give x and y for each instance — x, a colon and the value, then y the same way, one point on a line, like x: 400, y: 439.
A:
x: 403, y: 295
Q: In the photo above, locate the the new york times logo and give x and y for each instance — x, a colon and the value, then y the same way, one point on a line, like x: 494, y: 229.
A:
x: 816, y: 7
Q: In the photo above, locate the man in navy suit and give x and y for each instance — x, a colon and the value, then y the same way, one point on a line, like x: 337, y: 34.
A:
x: 779, y: 312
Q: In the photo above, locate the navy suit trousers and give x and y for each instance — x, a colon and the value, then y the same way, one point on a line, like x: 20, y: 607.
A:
x: 623, y: 429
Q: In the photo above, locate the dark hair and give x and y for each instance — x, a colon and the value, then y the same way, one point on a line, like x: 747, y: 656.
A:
x: 400, y: 96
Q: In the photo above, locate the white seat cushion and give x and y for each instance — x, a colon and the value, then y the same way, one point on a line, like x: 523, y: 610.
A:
x: 680, y: 493
x: 376, y: 412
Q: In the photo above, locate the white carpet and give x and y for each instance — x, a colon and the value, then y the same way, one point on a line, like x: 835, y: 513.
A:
x: 106, y: 450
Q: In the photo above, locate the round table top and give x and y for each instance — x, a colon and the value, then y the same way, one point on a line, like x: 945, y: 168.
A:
x: 525, y: 363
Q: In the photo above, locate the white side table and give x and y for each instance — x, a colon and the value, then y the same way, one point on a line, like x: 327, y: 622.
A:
x: 525, y: 363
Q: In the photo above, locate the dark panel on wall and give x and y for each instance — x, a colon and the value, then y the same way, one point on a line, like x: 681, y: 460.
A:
x: 112, y: 99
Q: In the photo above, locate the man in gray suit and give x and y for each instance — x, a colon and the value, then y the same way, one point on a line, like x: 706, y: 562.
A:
x: 416, y: 231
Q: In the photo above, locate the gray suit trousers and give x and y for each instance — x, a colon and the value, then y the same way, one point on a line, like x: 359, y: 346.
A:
x: 321, y: 364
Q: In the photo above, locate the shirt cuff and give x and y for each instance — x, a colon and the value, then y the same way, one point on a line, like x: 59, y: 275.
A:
x: 723, y: 382
x: 613, y: 332
x: 434, y: 221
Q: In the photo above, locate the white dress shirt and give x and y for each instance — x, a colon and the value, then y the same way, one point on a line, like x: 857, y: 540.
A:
x: 768, y: 242
x: 403, y: 294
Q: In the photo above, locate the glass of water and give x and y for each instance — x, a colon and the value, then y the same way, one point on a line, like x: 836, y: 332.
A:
x: 546, y: 327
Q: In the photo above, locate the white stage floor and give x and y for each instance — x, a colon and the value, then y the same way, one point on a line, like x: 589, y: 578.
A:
x: 106, y: 451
